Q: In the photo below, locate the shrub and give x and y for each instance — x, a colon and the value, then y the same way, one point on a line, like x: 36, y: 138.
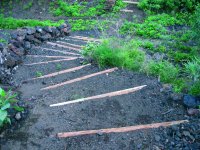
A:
x: 164, y: 69
x: 168, y: 5
x: 196, y: 25
x: 7, y: 101
x: 153, y: 26
x: 195, y: 89
x: 114, y: 53
x: 192, y: 69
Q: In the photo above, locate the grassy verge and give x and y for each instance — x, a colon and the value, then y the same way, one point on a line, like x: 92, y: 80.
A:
x: 12, y: 23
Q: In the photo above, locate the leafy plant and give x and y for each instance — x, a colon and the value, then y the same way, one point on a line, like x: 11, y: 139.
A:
x: 169, y: 5
x: 164, y: 69
x: 7, y: 101
x: 39, y: 74
x: 58, y: 66
x: 115, y: 53
x: 192, y: 69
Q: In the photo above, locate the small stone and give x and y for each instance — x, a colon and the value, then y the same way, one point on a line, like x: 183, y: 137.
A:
x: 139, y: 146
x: 27, y: 45
x: 157, y: 138
x: 18, y: 116
x: 193, y: 111
x: 176, y: 96
x: 100, y: 133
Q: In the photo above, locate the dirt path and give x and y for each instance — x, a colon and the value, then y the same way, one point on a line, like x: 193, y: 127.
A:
x: 75, y: 80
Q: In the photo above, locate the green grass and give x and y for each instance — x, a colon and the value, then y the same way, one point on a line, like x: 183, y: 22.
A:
x: 12, y: 23
x: 107, y: 54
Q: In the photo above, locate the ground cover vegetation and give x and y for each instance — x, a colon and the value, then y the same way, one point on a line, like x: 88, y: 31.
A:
x: 12, y: 23
x: 7, y: 102
x: 165, y: 44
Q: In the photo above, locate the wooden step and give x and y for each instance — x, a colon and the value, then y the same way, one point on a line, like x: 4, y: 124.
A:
x: 131, y: 2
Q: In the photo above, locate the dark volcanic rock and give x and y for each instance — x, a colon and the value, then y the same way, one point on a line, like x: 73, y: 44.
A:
x: 46, y: 37
x: 47, y: 29
x: 27, y: 45
x: 30, y: 31
x: 191, y: 101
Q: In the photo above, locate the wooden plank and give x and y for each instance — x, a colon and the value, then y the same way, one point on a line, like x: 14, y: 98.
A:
x: 85, y: 38
x: 79, y: 79
x: 53, y: 61
x: 59, y: 51
x: 45, y: 56
x: 126, y: 10
x: 111, y: 94
x: 60, y: 72
x: 74, y: 45
x: 121, y: 129
x: 131, y: 2
x: 64, y: 46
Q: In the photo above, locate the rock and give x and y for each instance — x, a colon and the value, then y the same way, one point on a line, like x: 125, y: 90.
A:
x: 19, y: 51
x: 18, y: 116
x: 39, y: 29
x: 30, y: 31
x: 12, y: 59
x: 46, y: 37
x: 193, y: 111
x: 13, y: 35
x: 15, y: 43
x: 157, y: 138
x: 47, y: 29
x: 177, y: 97
x: 1, y: 47
x: 65, y: 31
x: 109, y: 4
x: 166, y: 88
x: 27, y: 45
x: 190, y: 101
x: 158, y: 56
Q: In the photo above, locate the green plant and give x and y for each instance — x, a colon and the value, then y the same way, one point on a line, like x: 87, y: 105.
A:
x: 152, y: 27
x: 179, y: 85
x: 112, y: 52
x: 169, y: 5
x: 148, y: 45
x: 3, y: 41
x: 195, y: 88
x: 63, y: 8
x: 58, y: 66
x: 164, y: 69
x: 28, y: 6
x: 39, y: 74
x: 12, y: 23
x: 7, y: 101
x: 192, y: 69
x: 196, y: 25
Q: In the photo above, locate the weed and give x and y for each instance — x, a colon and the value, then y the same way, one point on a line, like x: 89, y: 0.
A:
x: 165, y: 70
x: 7, y: 101
x: 192, y: 69
x: 114, y: 53
x: 39, y: 74
x: 58, y: 66
x: 195, y: 88
x: 3, y: 41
